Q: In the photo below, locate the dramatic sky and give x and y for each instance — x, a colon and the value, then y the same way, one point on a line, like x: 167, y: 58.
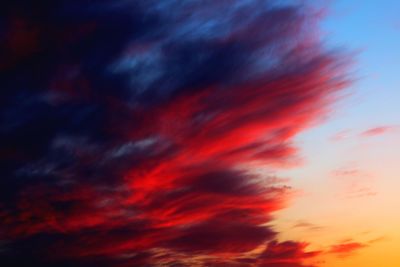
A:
x: 180, y: 133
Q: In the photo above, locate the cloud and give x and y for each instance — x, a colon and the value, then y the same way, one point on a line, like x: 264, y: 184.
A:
x: 286, y: 254
x: 348, y: 172
x: 129, y: 129
x: 375, y: 131
x: 354, y: 182
x: 351, y: 172
x: 341, y: 135
x: 307, y: 226
x: 371, y: 132
x: 346, y: 249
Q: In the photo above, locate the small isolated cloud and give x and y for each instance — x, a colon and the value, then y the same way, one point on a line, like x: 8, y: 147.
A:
x: 370, y: 132
x: 376, y: 131
x: 342, y: 135
x: 347, y: 248
x: 307, y: 226
x: 354, y: 182
x: 377, y: 240
x: 359, y: 191
x: 351, y: 172
x: 347, y: 172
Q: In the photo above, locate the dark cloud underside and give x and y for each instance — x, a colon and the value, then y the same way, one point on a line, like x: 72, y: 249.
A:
x: 128, y: 128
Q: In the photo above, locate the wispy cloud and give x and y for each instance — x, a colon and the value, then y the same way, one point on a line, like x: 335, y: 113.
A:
x: 354, y: 182
x: 379, y: 130
x: 308, y: 226
x: 342, y: 135
x: 129, y: 129
x: 347, y: 249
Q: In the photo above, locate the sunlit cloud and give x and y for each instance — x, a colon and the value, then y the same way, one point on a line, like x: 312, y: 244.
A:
x: 130, y: 130
x: 347, y: 249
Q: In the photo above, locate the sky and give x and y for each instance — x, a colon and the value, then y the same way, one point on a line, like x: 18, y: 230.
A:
x: 350, y: 179
x: 232, y: 133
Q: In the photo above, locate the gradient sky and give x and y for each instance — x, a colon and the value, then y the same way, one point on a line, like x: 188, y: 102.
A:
x: 178, y: 133
x: 350, y: 180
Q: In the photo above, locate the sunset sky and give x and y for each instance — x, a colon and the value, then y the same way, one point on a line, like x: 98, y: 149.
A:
x: 183, y: 133
x: 350, y: 176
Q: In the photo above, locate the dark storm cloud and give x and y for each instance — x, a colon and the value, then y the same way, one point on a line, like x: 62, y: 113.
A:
x: 127, y: 129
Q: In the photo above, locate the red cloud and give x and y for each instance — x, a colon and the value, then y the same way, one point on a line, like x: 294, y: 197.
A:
x: 286, y: 254
x: 347, y: 248
x: 146, y: 157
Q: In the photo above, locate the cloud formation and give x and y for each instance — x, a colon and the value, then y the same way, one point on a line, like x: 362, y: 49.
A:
x: 129, y: 129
